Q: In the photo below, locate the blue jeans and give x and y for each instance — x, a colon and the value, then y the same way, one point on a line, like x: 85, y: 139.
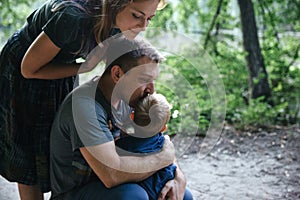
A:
x: 129, y: 191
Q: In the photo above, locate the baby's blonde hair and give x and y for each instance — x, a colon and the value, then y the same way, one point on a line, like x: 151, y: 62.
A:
x: 151, y: 114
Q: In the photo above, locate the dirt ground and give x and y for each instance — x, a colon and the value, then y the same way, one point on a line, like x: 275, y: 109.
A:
x: 263, y: 164
x: 260, y: 164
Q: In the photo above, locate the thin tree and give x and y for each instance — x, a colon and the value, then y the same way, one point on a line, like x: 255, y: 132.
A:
x: 258, y: 77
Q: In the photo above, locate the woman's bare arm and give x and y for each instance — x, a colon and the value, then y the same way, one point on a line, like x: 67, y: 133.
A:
x: 36, y: 63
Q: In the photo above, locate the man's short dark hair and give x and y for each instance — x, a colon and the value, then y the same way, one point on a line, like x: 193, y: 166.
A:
x: 126, y: 53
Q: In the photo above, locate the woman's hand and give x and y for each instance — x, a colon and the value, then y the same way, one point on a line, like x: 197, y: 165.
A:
x: 93, y: 59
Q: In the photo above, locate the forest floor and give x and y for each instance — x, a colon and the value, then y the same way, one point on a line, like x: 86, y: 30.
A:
x: 254, y: 164
x: 258, y: 164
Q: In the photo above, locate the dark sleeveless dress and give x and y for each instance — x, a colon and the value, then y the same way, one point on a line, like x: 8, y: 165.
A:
x: 28, y: 106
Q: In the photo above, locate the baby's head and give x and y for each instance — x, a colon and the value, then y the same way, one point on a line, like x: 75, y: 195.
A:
x: 151, y: 115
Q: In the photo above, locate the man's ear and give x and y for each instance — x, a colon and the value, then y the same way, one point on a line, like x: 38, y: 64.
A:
x: 116, y: 73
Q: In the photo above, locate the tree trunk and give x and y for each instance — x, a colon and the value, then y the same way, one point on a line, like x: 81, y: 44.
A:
x: 258, y: 79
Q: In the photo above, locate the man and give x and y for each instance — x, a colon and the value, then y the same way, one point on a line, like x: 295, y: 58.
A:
x: 84, y: 161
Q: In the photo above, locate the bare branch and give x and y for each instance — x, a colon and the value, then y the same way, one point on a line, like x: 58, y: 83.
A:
x: 207, y: 38
x: 266, y: 7
x: 295, y: 57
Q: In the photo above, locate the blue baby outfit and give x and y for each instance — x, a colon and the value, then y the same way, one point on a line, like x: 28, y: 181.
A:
x: 154, y: 184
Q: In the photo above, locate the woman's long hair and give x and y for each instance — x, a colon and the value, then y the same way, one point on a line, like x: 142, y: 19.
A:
x: 104, y: 12
x: 110, y: 9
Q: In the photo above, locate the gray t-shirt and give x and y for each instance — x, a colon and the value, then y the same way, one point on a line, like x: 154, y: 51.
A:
x: 81, y: 121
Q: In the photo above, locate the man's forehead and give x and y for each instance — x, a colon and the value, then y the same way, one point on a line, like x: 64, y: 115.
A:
x: 147, y: 66
x: 145, y: 60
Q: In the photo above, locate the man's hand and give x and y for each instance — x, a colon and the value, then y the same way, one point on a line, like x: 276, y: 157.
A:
x: 168, y: 151
x: 174, y: 189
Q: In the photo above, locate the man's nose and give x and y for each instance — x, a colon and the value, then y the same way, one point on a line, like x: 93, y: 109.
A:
x: 150, y: 88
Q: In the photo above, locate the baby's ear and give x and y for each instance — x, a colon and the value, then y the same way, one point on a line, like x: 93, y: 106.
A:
x: 132, y: 115
x: 164, y: 128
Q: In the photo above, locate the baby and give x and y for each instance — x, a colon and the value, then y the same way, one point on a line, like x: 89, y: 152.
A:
x: 150, y: 118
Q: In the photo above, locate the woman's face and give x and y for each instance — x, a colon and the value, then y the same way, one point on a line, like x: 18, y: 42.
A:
x: 136, y: 16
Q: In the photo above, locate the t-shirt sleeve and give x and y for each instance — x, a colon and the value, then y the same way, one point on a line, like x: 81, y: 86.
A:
x: 90, y: 122
x: 63, y: 27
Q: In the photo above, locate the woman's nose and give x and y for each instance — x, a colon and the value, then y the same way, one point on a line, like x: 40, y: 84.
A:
x: 144, y: 24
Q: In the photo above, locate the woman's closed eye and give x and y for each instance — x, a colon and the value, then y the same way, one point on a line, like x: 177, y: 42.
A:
x: 136, y: 16
x: 140, y: 17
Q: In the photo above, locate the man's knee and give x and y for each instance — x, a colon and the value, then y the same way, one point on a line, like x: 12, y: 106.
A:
x: 129, y: 192
x: 188, y: 195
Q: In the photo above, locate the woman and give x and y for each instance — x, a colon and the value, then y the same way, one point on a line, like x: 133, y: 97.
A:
x: 38, y: 69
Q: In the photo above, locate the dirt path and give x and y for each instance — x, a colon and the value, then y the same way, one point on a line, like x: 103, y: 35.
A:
x: 261, y: 165
x: 243, y: 165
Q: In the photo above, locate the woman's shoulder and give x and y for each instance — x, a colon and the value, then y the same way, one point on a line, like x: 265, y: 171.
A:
x: 71, y: 8
x: 57, y: 9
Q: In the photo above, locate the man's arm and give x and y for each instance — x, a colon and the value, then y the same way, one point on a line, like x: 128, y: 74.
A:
x: 174, y: 189
x: 113, y: 169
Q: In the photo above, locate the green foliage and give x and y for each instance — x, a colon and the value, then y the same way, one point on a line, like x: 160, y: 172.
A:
x: 13, y: 15
x: 279, y: 45
x: 187, y: 10
x: 164, y: 18
x: 186, y: 91
x: 259, y: 113
x: 13, y: 11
